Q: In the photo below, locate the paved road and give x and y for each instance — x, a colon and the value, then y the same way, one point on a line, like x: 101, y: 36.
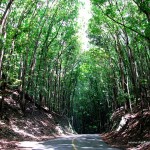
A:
x: 76, y: 142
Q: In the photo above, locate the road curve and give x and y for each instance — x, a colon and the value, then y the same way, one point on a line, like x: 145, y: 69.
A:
x: 75, y: 142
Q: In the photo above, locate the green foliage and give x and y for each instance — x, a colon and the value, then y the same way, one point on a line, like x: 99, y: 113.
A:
x: 147, y: 30
x: 115, y: 69
x: 41, y: 49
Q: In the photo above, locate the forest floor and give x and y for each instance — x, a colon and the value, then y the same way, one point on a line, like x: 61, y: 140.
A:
x: 35, y: 125
x: 134, y: 133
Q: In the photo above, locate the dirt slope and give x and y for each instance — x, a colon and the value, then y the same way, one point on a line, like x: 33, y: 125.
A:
x: 133, y: 134
x: 37, y: 124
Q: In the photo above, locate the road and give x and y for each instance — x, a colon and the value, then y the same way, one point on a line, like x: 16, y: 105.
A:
x: 75, y: 142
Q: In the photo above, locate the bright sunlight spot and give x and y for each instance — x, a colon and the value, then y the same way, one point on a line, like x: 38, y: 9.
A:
x: 84, y: 16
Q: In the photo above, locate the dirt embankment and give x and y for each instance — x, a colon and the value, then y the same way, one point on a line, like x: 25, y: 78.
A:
x: 130, y: 131
x: 37, y: 124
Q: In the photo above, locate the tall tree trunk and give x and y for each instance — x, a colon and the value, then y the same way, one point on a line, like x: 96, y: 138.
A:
x: 122, y: 70
x: 3, y: 31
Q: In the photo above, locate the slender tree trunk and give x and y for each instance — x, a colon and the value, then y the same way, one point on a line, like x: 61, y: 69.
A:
x: 122, y: 70
x: 3, y: 31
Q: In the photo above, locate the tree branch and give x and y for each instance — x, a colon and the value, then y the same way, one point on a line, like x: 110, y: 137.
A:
x: 122, y: 24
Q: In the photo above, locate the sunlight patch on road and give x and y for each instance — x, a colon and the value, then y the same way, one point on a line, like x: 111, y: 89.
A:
x: 73, y: 144
x: 33, y: 145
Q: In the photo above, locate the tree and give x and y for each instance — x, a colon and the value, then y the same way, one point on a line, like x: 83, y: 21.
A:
x: 40, y: 50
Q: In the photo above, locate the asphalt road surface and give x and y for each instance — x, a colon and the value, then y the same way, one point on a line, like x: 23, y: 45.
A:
x: 75, y: 142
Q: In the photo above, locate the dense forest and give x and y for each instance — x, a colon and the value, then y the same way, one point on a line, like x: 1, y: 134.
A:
x: 41, y: 58
x: 115, y: 72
